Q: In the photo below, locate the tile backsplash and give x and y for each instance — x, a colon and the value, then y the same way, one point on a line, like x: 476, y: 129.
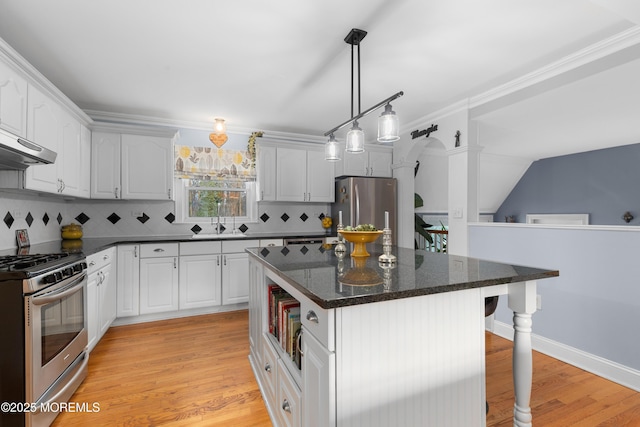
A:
x: 42, y: 217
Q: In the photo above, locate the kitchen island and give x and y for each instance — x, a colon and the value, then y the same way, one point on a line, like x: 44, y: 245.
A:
x: 384, y: 346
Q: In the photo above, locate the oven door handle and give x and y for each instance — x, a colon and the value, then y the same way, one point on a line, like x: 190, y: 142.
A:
x: 71, y: 383
x: 71, y: 288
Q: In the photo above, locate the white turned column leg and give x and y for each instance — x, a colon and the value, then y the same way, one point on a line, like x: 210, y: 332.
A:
x: 522, y: 369
x: 522, y: 300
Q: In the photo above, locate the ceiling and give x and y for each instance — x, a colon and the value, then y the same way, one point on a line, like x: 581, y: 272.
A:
x: 283, y: 66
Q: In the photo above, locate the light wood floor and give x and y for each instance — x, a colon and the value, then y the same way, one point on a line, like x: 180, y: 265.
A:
x: 195, y: 372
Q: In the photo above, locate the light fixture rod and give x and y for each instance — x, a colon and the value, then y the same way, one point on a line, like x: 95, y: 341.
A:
x: 375, y: 107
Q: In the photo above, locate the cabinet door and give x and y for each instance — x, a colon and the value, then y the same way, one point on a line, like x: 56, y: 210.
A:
x: 128, y: 281
x: 44, y: 128
x: 291, y: 175
x: 355, y: 164
x: 147, y: 172
x: 107, y: 300
x: 318, y: 383
x: 256, y: 286
x: 266, y: 171
x: 158, y: 285
x: 235, y: 278
x: 13, y: 101
x: 105, y: 166
x: 84, y: 169
x: 92, y: 309
x: 69, y: 160
x: 380, y: 163
x: 200, y: 281
x: 320, y: 178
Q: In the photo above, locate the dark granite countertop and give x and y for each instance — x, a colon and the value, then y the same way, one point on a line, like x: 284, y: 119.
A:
x: 92, y: 245
x: 315, y: 271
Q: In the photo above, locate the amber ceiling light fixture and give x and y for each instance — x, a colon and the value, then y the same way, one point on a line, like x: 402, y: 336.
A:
x: 388, y: 129
x: 219, y: 135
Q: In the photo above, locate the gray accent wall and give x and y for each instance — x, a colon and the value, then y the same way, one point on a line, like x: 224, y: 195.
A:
x: 602, y: 183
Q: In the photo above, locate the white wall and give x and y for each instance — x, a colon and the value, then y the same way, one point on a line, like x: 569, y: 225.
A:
x: 591, y: 312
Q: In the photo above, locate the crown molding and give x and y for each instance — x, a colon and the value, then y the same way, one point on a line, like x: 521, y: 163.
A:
x: 133, y: 120
x: 617, y: 43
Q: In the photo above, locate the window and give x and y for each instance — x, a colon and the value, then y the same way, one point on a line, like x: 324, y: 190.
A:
x: 212, y: 183
x: 198, y: 200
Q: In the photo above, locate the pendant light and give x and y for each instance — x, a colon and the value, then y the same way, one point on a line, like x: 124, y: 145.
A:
x: 388, y: 128
x: 388, y: 125
x: 332, y: 149
x: 355, y: 139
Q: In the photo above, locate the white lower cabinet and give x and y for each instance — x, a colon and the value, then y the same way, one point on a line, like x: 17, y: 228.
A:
x: 101, y: 294
x: 158, y: 278
x: 318, y: 385
x: 128, y: 281
x: 235, y: 278
x: 288, y: 399
x: 200, y: 275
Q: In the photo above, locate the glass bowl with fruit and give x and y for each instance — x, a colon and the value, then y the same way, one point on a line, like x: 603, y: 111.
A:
x: 360, y: 236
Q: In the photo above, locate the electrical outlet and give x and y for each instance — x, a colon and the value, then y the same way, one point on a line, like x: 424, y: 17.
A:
x: 136, y: 213
x: 17, y: 214
x: 538, y: 302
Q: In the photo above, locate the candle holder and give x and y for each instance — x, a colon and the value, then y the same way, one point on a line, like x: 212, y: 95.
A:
x: 387, y: 257
x: 341, y: 249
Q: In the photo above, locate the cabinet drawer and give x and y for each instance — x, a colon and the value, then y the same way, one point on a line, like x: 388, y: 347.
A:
x: 98, y: 260
x: 271, y: 242
x: 159, y: 250
x: 232, y: 246
x: 288, y: 398
x: 200, y: 248
x: 269, y: 363
x: 320, y: 322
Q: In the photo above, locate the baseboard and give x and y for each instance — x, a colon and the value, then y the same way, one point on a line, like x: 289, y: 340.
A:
x: 597, y: 365
x: 143, y: 318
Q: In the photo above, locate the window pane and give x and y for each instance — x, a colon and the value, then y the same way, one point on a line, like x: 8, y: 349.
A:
x: 205, y: 202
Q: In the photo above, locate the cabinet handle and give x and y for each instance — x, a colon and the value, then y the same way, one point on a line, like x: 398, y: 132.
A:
x: 175, y: 263
x: 106, y: 257
x: 158, y: 250
x: 115, y: 192
x: 312, y: 316
x: 224, y: 258
x: 91, y: 264
x: 286, y: 407
x: 169, y: 193
x: 218, y: 260
x: 63, y: 186
x: 262, y: 195
x: 267, y: 368
x: 135, y: 252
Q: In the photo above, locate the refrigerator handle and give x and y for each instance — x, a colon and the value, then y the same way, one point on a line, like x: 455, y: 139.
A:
x: 357, y: 195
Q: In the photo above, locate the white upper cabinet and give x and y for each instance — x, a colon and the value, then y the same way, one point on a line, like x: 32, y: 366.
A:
x: 375, y: 161
x: 266, y: 172
x: 35, y: 110
x: 131, y: 167
x: 302, y: 175
x: 44, y: 127
x: 105, y: 165
x: 13, y: 101
x: 291, y: 175
x: 147, y: 171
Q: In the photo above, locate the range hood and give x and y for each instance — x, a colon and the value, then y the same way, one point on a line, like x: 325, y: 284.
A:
x: 17, y: 153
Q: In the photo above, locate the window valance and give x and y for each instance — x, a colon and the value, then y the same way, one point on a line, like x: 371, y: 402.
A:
x: 207, y: 163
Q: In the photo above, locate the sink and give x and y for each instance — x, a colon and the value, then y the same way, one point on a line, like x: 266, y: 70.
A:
x: 218, y: 236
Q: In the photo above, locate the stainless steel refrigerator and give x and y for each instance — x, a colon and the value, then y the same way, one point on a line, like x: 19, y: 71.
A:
x: 364, y: 201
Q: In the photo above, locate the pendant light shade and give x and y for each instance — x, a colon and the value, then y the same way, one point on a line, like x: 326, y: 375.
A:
x: 355, y: 139
x: 332, y: 149
x: 388, y: 125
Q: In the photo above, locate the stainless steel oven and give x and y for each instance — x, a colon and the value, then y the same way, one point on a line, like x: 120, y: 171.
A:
x: 48, y: 358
